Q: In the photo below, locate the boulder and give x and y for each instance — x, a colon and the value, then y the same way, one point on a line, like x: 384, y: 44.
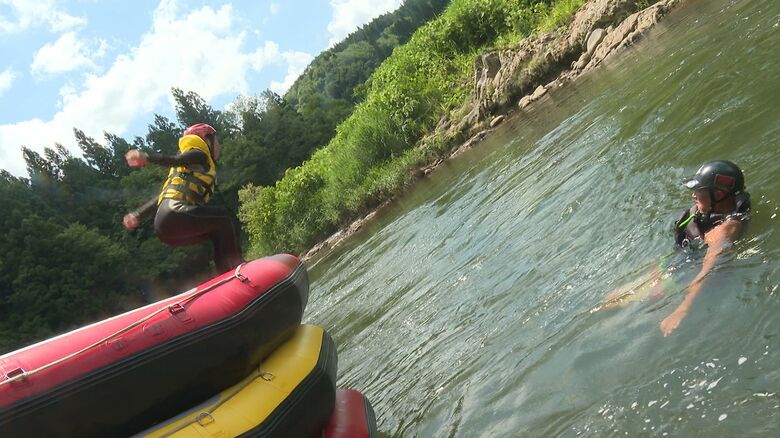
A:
x: 495, y: 122
x: 539, y: 92
x: 596, y: 35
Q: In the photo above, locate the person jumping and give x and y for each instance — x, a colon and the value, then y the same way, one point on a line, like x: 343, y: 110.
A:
x: 182, y: 214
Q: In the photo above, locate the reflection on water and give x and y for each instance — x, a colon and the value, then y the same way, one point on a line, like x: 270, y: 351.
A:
x: 466, y: 310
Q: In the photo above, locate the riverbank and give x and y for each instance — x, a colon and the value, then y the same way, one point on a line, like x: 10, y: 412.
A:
x: 507, y: 82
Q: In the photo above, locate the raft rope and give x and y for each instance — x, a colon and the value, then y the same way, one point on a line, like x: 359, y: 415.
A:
x: 204, y: 418
x: 173, y: 309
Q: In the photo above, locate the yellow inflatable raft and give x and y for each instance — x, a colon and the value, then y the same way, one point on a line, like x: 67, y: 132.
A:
x: 291, y: 394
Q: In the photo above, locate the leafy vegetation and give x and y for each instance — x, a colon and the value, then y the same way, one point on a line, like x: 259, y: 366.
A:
x: 343, y: 139
x: 64, y: 257
x: 375, y: 149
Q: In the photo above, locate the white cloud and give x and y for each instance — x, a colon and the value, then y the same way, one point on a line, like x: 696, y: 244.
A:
x: 268, y: 54
x: 66, y: 54
x: 199, y: 52
x: 296, y: 64
x: 274, y: 8
x: 6, y: 80
x: 35, y: 134
x: 348, y: 15
x: 27, y: 14
x: 68, y: 94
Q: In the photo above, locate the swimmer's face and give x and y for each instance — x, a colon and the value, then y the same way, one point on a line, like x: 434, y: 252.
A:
x: 702, y: 197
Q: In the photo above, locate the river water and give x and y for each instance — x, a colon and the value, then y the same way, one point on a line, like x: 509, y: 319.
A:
x: 467, y: 309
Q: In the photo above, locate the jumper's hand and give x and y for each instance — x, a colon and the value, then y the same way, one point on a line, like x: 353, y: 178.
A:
x: 136, y: 158
x: 671, y: 322
x: 131, y: 221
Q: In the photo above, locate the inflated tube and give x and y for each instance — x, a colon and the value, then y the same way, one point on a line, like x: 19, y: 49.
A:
x: 121, y: 375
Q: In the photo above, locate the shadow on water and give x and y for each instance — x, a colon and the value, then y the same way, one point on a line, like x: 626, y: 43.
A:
x: 466, y: 309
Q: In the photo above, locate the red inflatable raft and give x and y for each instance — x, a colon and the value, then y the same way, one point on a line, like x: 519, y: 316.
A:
x: 118, y: 376
x: 353, y: 417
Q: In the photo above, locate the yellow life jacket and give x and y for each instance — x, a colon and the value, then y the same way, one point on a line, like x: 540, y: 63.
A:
x: 192, y: 184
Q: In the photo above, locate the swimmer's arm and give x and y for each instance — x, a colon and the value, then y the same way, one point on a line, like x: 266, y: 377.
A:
x: 717, y: 240
x: 192, y: 156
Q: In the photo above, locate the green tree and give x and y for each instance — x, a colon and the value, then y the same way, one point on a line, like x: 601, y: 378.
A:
x: 61, y: 279
x: 65, y: 258
x: 163, y: 136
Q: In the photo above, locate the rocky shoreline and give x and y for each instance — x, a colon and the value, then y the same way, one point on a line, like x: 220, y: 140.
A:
x: 509, y: 80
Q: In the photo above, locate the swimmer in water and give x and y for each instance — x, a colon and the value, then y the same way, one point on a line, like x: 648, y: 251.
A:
x: 715, y: 221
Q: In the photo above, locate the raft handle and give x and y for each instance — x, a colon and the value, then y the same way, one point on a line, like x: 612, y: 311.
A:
x: 202, y: 417
x: 16, y: 374
x: 176, y: 308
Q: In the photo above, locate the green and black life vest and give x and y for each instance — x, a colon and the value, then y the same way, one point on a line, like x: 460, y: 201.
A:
x: 691, y: 225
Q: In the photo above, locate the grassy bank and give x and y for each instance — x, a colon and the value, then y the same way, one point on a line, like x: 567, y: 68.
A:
x: 375, y: 149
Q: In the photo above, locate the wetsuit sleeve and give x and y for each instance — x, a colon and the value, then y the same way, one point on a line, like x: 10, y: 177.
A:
x: 192, y: 156
x: 148, y: 209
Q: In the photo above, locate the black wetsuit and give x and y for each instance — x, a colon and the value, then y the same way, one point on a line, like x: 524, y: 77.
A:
x: 695, y: 228
x: 178, y: 223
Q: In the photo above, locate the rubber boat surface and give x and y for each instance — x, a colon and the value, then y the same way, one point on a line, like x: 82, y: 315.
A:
x: 119, y: 376
x: 353, y: 417
x: 291, y: 394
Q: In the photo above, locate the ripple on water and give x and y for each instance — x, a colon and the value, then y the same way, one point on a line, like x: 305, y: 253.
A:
x: 467, y: 310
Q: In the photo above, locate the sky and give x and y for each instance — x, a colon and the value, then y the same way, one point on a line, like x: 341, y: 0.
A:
x: 109, y: 65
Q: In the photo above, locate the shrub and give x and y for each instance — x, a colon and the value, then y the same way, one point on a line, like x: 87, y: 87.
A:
x: 373, y: 151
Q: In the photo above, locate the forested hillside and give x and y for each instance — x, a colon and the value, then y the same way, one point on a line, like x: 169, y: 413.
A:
x: 278, y: 132
x: 391, y: 132
x: 65, y: 259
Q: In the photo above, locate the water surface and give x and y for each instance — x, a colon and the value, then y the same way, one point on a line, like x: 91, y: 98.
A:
x: 465, y: 310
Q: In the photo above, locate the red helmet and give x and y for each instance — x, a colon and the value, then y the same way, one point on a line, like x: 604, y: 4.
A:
x: 201, y: 130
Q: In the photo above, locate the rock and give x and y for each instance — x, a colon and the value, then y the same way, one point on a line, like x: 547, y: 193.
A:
x: 470, y: 143
x: 486, y: 66
x: 582, y: 62
x: 592, y: 14
x: 539, y: 92
x: 629, y: 30
x: 613, y: 39
x: 596, y: 35
x: 427, y: 170
x: 597, y: 30
x: 491, y: 63
x: 496, y: 121
x: 649, y: 17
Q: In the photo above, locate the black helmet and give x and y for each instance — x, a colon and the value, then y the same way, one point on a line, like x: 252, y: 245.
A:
x: 721, y: 175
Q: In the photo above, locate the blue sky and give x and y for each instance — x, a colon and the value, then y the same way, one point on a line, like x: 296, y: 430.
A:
x: 109, y: 65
